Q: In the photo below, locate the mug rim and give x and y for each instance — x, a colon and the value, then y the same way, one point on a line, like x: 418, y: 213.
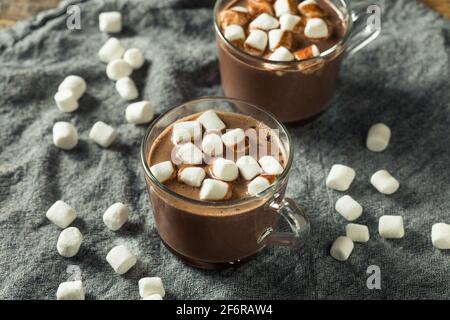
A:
x: 323, y: 55
x: 222, y: 203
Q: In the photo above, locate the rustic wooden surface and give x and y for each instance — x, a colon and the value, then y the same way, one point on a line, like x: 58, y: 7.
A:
x: 14, y: 10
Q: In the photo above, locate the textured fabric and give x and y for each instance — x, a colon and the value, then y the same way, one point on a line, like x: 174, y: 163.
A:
x: 402, y: 79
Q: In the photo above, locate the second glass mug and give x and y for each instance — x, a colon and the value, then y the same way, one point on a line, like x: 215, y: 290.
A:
x: 213, y: 235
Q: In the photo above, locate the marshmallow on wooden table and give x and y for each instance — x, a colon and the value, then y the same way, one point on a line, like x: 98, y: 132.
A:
x: 110, y: 22
x: 256, y: 41
x: 384, y: 182
x: 316, y: 29
x: 61, y: 214
x: 378, y: 137
x: 233, y: 138
x: 290, y: 22
x: 257, y: 185
x: 342, y: 248
x: 70, y: 290
x: 264, y: 22
x: 189, y: 153
x: 225, y: 169
x: 74, y: 83
x: 111, y: 50
x: 186, y: 131
x: 192, y: 176
x: 66, y: 101
x: 151, y: 285
x: 311, y: 9
x: 281, y: 54
x: 279, y: 38
x: 121, y: 259
x: 357, y: 232
x: 270, y: 165
x: 283, y: 6
x: 234, y: 33
x: 153, y: 297
x: 65, y: 135
x: 211, y: 121
x: 134, y: 57
x: 116, y: 216
x: 117, y: 69
x: 212, y: 144
x: 348, y: 208
x: 248, y: 167
x: 103, y: 134
x: 214, y: 190
x: 140, y: 112
x: 340, y: 177
x: 440, y: 236
x: 69, y: 242
x: 126, y: 88
x: 391, y: 227
x: 163, y: 171
x: 309, y: 52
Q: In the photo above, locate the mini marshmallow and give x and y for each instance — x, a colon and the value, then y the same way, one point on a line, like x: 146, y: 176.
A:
x: 65, y: 135
x: 212, y: 144
x: 271, y: 165
x: 211, y: 121
x: 65, y: 100
x: 281, y: 54
x: 239, y: 9
x: 348, y: 208
x: 214, y: 190
x: 134, y: 57
x: 248, y: 167
x: 307, y: 53
x: 440, y: 236
x: 340, y: 177
x: 257, y: 40
x: 192, y: 176
x: 163, y: 171
x: 189, y: 153
x: 290, y: 22
x: 279, y: 38
x: 110, y: 22
x: 230, y: 16
x: 391, y: 227
x: 103, y: 134
x: 117, y: 69
x: 74, y: 83
x: 111, y: 50
x: 151, y: 285
x: 186, y: 131
x: 234, y: 32
x: 256, y: 7
x: 233, y: 137
x: 257, y: 185
x: 140, y: 112
x: 316, y: 29
x: 225, y: 169
x: 116, y: 216
x: 264, y: 22
x: 342, y: 248
x: 70, y: 290
x: 378, y: 137
x: 61, y: 214
x: 153, y: 297
x: 121, y: 259
x: 126, y: 88
x: 69, y: 242
x: 283, y: 6
x: 310, y: 9
x: 357, y: 232
x: 384, y: 182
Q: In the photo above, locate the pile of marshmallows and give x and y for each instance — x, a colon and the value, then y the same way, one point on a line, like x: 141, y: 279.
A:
x: 121, y: 63
x: 389, y: 226
x: 260, y: 175
x: 274, y: 26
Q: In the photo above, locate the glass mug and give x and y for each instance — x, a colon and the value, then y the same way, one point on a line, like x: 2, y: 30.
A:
x: 294, y: 91
x: 213, y: 235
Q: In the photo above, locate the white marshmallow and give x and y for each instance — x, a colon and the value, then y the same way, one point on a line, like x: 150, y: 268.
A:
x: 340, y: 177
x: 214, y: 190
x: 316, y: 28
x: 116, y: 216
x: 275, y: 37
x: 357, y: 232
x: 440, y: 236
x: 309, y: 52
x: 70, y: 290
x: 378, y: 137
x: 121, y: 259
x: 61, y: 214
x: 153, y: 297
x: 212, y: 144
x: 282, y: 7
x: 384, y: 182
x: 225, y: 169
x: 126, y: 88
x: 186, y: 131
x: 103, y: 134
x: 348, y: 208
x: 65, y: 100
x: 74, y: 83
x: 264, y: 22
x: 239, y: 9
x: 117, y: 69
x: 342, y: 248
x: 69, y: 242
x: 310, y: 9
x: 140, y: 112
x: 248, y: 167
x: 189, y: 153
x: 65, y: 135
x: 257, y: 39
x: 134, y: 57
x: 234, y: 32
x: 257, y: 185
x: 111, y: 50
x: 233, y: 137
x: 151, y: 285
x: 110, y: 22
x: 162, y: 171
x: 281, y: 54
x: 192, y: 176
x: 391, y: 227
x: 288, y: 22
x: 271, y: 165
x: 211, y: 121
